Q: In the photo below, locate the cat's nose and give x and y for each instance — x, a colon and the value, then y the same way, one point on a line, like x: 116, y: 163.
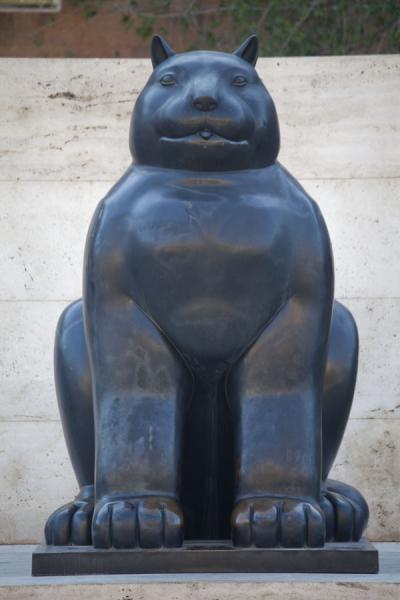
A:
x: 205, y: 103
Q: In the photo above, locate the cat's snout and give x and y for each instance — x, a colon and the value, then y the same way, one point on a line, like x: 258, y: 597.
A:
x: 205, y: 103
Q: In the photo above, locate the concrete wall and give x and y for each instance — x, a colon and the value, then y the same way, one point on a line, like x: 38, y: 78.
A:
x: 63, y: 143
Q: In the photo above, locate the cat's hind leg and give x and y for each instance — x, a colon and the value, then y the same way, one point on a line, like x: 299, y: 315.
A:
x: 71, y: 523
x: 346, y: 510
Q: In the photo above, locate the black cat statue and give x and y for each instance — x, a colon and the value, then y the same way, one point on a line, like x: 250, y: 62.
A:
x: 206, y: 377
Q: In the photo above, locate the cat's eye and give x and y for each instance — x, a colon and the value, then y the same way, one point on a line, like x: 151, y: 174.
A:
x: 168, y: 79
x: 239, y: 80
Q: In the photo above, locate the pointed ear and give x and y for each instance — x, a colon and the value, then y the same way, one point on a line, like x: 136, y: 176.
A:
x: 249, y: 50
x: 160, y: 50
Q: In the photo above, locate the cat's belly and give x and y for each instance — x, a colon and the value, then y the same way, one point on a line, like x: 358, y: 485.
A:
x: 211, y: 279
x: 210, y: 313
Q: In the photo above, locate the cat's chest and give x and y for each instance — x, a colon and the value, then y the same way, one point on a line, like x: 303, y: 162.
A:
x: 203, y: 219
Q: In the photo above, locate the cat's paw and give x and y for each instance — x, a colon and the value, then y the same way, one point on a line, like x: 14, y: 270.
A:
x: 71, y: 523
x: 346, y: 512
x: 145, y: 522
x: 269, y: 522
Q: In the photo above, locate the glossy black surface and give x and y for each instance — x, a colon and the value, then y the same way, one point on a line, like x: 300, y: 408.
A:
x: 206, y: 378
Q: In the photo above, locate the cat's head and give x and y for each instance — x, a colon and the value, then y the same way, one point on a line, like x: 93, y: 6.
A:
x: 204, y: 111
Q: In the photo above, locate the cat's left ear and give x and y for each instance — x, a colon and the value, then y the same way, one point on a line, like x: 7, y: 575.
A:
x: 160, y: 50
x: 249, y: 50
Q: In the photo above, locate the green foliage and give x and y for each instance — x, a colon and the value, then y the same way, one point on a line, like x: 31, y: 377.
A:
x: 285, y: 27
x: 89, y: 12
x: 145, y: 28
x: 306, y: 27
x: 90, y: 8
x: 127, y: 22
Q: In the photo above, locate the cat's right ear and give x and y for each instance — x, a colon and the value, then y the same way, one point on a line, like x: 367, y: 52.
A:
x: 160, y: 50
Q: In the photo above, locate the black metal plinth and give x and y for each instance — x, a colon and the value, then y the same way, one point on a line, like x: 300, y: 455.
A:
x: 206, y: 557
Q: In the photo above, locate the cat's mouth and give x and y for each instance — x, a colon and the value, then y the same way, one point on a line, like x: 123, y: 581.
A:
x: 204, y: 137
x: 206, y: 134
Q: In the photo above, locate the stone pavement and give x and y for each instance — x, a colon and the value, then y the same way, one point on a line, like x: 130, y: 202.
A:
x: 17, y: 583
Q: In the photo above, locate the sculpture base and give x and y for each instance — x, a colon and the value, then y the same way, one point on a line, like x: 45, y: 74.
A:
x: 206, y: 557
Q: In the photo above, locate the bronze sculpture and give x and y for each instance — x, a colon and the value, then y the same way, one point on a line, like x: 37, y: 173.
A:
x: 206, y: 378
